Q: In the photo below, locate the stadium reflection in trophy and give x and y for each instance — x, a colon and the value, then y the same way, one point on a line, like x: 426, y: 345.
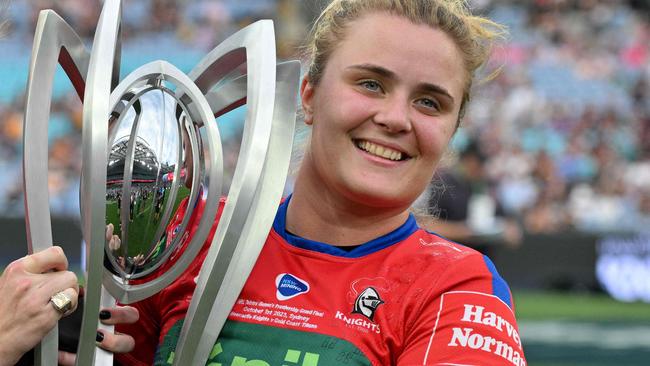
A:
x: 142, y: 193
x: 152, y: 163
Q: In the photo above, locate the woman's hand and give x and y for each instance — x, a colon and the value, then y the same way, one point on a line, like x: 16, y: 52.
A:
x: 26, y: 314
x: 116, y: 343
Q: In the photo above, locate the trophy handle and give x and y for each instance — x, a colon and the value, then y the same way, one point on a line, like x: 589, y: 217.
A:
x: 267, y: 197
x: 255, y: 191
x: 100, y: 80
x: 54, y: 40
x: 254, y: 45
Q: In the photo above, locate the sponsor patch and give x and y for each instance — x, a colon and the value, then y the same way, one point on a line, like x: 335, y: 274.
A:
x: 475, y: 328
x: 289, y: 286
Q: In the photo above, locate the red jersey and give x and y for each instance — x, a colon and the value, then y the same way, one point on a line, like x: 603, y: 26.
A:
x: 409, y: 297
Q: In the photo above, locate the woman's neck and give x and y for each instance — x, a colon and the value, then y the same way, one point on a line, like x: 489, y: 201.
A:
x: 316, y: 213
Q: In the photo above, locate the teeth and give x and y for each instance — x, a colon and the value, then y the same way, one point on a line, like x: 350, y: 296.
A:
x: 380, y: 151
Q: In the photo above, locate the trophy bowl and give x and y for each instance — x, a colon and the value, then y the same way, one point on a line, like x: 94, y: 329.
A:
x: 149, y: 174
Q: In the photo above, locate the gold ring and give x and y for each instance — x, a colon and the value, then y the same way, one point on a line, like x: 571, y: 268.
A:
x: 61, y: 302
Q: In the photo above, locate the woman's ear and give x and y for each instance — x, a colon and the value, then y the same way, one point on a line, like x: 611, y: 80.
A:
x: 306, y: 97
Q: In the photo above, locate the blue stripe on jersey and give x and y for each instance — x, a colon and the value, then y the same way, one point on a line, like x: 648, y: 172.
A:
x: 499, y: 286
x: 397, y: 235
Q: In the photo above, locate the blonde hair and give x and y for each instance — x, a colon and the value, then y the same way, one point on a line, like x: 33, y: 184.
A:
x: 473, y: 35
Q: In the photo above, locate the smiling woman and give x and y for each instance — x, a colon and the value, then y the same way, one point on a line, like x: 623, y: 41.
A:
x: 346, y: 276
x: 400, y: 102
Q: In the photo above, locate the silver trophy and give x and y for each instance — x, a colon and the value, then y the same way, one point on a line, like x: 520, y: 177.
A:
x: 150, y: 146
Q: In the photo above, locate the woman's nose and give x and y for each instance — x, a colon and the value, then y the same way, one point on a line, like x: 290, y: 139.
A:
x: 393, y: 115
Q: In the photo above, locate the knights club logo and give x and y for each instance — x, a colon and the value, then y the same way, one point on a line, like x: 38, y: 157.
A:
x: 367, y: 303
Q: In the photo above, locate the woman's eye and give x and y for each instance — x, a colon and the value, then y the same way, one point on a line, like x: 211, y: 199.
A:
x: 429, y: 103
x: 371, y: 85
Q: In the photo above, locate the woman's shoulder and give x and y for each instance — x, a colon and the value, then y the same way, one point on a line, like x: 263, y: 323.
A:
x: 453, y: 267
x: 436, y: 248
x: 440, y: 264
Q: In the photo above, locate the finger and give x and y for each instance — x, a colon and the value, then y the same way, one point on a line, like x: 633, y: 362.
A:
x: 73, y: 296
x: 54, y: 282
x: 120, y: 315
x: 46, y: 260
x: 67, y: 358
x: 115, y: 243
x: 116, y: 343
x: 109, y: 232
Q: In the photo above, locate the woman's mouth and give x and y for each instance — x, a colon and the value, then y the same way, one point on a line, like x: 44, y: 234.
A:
x: 380, y: 151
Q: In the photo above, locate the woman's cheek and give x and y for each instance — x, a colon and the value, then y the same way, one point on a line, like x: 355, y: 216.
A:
x: 434, y: 137
x: 354, y: 103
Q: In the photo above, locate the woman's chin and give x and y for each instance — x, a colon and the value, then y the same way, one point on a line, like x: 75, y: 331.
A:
x: 381, y: 196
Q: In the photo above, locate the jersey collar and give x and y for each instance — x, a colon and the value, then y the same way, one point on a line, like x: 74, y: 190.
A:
x: 395, y: 236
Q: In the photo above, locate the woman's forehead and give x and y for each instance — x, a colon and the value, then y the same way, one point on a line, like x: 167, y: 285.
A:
x: 410, y: 50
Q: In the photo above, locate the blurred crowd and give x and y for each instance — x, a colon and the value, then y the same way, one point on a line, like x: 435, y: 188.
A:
x: 174, y: 30
x: 563, y: 130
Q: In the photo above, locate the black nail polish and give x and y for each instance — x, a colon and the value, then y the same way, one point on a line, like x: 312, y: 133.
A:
x: 104, y: 314
x: 100, y: 337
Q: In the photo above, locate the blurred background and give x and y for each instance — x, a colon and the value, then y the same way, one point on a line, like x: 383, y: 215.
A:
x: 549, y: 174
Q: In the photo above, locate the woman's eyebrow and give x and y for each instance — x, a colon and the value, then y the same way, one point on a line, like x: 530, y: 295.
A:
x: 384, y: 72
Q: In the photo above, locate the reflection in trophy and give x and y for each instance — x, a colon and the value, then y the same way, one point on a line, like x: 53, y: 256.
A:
x: 145, y: 141
x: 151, y: 146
